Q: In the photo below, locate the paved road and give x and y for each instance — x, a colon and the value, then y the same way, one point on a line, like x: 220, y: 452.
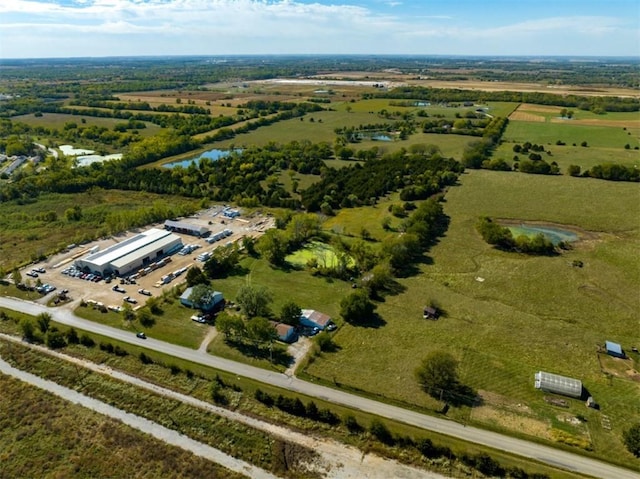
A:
x: 548, y: 455
x: 142, y: 424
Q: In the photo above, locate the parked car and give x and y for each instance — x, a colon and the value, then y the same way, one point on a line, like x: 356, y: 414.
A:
x: 141, y: 335
x: 331, y: 327
x: 39, y: 270
x: 117, y: 289
x: 144, y: 291
x: 32, y: 274
x: 131, y: 300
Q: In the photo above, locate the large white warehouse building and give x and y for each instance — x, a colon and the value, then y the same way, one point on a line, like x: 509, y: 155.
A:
x: 131, y: 254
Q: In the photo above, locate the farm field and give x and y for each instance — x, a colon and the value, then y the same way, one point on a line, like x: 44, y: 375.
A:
x: 508, y: 316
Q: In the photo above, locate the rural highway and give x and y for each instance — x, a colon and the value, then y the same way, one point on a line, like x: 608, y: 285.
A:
x: 548, y: 455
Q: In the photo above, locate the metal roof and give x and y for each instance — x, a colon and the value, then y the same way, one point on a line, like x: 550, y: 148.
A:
x: 182, y: 225
x: 128, y: 246
x: 613, y: 347
x: 146, y: 250
x: 555, y: 383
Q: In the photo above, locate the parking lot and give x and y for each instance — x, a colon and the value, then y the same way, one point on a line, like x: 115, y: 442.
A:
x: 60, y: 273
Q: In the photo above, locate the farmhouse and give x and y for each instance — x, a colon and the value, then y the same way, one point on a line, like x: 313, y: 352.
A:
x: 314, y: 319
x: 186, y: 228
x: 131, y: 254
x: 554, y: 383
x: 217, y: 299
x: 286, y: 333
x: 614, y: 349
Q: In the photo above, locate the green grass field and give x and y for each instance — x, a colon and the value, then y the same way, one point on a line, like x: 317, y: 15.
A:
x: 527, y: 313
x: 58, y: 120
x: 549, y: 133
x: 173, y: 325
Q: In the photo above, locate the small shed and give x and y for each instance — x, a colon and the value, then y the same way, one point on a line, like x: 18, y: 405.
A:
x: 314, y: 319
x: 614, y: 349
x: 557, y: 384
x: 429, y: 313
x: 286, y: 333
x: 217, y: 300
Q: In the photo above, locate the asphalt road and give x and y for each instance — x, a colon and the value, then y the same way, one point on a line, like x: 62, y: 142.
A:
x: 548, y: 455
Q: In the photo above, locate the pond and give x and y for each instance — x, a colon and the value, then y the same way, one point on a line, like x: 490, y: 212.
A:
x: 553, y: 234
x: 213, y: 154
x: 375, y: 137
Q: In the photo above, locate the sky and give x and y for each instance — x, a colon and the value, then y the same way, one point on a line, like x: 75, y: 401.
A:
x: 99, y: 28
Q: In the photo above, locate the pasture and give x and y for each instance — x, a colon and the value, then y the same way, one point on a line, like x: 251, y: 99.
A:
x: 509, y: 315
x: 58, y: 120
x: 569, y: 133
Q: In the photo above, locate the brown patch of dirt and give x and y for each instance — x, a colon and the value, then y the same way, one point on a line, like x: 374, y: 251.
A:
x: 512, y: 421
x: 523, y: 116
x: 539, y: 108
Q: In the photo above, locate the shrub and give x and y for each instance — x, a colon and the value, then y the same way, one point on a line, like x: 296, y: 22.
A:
x: 108, y: 347
x: 352, y: 424
x: 264, y: 398
x: 87, y: 341
x: 381, y: 432
x: 144, y: 359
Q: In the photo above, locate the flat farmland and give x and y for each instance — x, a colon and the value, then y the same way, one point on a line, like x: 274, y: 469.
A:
x: 569, y: 133
x: 58, y: 120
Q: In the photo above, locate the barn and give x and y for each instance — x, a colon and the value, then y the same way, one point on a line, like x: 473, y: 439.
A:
x: 131, y: 254
x: 554, y: 383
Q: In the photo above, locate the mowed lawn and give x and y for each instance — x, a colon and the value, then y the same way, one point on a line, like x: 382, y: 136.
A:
x: 509, y: 315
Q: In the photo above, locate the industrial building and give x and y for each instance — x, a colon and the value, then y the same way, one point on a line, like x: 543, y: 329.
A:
x: 554, y: 383
x: 186, y: 228
x: 132, y: 254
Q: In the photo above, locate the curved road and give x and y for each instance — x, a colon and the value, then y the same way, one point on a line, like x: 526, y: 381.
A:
x: 545, y: 454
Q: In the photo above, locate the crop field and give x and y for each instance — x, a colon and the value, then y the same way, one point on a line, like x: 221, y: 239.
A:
x: 508, y: 316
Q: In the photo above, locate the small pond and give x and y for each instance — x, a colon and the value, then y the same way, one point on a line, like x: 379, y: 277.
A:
x: 375, y: 137
x: 555, y: 235
x: 213, y: 154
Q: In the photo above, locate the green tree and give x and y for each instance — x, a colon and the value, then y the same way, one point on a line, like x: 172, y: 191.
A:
x: 573, y: 170
x: 146, y: 318
x: 196, y: 276
x: 201, y: 295
x: 261, y: 330
x: 16, y: 277
x: 356, y: 307
x: 72, y: 336
x: 44, y: 322
x: 230, y: 325
x: 438, y: 375
x: 273, y: 245
x: 290, y: 313
x: 55, y: 339
x: 28, y: 330
x: 254, y: 301
x: 631, y: 439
